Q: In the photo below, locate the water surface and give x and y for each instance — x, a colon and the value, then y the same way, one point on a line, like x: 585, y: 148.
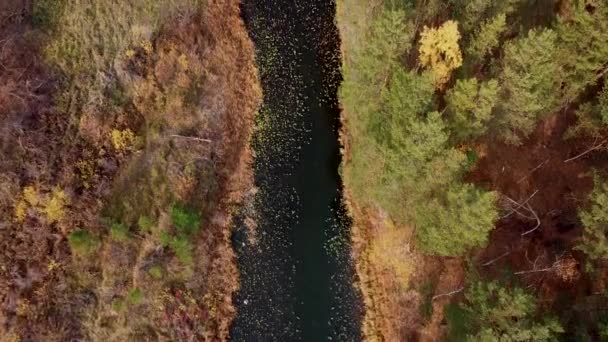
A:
x: 297, y: 280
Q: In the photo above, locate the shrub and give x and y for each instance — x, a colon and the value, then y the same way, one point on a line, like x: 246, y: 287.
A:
x: 54, y: 207
x: 135, y: 296
x: 82, y: 242
x: 29, y: 198
x: 119, y: 232
x: 46, y: 13
x: 457, y: 319
x: 185, y: 220
x: 86, y: 170
x: 118, y: 304
x: 156, y: 272
x: 180, y: 245
x: 145, y: 223
x: 122, y: 140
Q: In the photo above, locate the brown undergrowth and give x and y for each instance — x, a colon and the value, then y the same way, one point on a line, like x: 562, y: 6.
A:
x: 119, y: 164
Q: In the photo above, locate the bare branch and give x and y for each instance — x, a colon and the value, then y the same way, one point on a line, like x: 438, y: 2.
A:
x: 587, y: 151
x: 448, y: 293
x: 496, y: 259
x: 537, y: 220
x: 518, y: 204
x: 525, y: 205
x: 532, y: 171
x: 191, y: 138
x: 557, y: 265
x: 535, y: 271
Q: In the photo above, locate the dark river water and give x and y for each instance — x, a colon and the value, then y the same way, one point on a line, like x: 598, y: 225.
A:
x: 297, y: 278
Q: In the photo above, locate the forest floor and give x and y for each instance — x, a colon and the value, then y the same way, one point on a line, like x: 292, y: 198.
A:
x: 132, y: 285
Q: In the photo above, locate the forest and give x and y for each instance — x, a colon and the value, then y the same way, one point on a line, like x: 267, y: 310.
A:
x: 475, y: 159
x: 125, y: 146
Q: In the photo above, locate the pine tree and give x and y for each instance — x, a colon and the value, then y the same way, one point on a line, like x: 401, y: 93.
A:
x: 456, y: 221
x: 582, y: 44
x: 472, y: 12
x: 592, y: 118
x: 487, y: 37
x: 530, y: 83
x: 367, y: 74
x: 594, y: 242
x: 506, y: 314
x: 390, y: 36
x: 420, y: 183
x: 407, y: 140
x: 469, y: 107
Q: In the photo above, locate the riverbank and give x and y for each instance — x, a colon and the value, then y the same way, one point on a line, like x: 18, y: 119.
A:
x: 377, y: 281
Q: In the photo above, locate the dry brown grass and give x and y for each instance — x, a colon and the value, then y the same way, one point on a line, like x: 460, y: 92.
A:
x: 194, y: 77
x: 202, y: 71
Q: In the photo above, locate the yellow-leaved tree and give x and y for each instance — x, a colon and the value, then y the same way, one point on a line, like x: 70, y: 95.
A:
x: 440, y: 52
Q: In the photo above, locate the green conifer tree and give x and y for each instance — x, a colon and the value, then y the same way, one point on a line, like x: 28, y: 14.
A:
x: 487, y: 37
x: 530, y: 83
x: 456, y: 221
x: 469, y: 107
x: 583, y: 52
x: 594, y: 242
x: 499, y: 313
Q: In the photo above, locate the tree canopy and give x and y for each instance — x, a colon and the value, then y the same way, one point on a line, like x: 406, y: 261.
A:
x: 460, y: 220
x: 469, y: 106
x: 594, y: 242
x: 439, y: 50
x: 487, y: 37
x: 583, y: 53
x: 530, y: 83
x: 499, y: 313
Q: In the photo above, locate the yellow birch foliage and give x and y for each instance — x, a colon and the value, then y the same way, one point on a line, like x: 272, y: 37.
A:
x: 439, y: 51
x: 29, y: 198
x: 122, y: 139
x: 54, y: 207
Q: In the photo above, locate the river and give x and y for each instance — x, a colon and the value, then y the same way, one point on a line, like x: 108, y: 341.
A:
x: 297, y: 277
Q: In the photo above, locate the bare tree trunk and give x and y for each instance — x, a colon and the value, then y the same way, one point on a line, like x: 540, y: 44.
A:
x: 537, y: 220
x: 587, y: 151
x: 190, y: 138
x: 532, y: 171
x: 496, y: 259
x: 448, y: 293
x: 519, y: 206
x: 535, y: 271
